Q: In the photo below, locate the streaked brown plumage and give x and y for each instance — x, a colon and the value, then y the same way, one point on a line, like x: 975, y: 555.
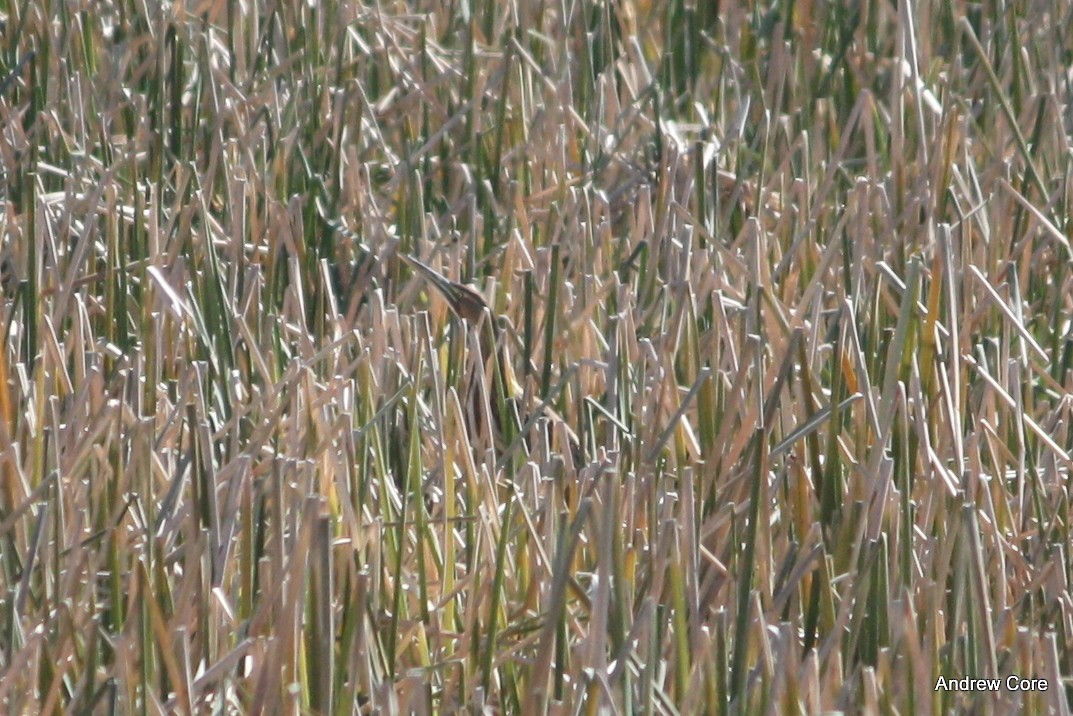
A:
x: 469, y: 305
x: 465, y: 301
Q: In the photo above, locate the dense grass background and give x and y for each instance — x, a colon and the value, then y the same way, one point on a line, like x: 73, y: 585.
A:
x: 797, y: 275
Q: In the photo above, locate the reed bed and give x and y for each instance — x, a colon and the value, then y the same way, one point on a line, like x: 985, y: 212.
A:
x: 796, y: 275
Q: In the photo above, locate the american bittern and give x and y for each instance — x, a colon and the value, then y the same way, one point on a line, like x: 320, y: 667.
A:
x: 468, y: 304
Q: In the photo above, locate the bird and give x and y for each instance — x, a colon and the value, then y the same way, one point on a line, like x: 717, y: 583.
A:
x: 466, y: 301
x: 468, y: 304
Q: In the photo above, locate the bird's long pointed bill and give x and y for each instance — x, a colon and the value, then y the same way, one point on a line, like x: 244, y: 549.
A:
x: 463, y: 300
x: 432, y: 275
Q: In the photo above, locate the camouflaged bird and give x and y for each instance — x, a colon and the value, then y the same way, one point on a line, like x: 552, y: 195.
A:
x: 468, y: 304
